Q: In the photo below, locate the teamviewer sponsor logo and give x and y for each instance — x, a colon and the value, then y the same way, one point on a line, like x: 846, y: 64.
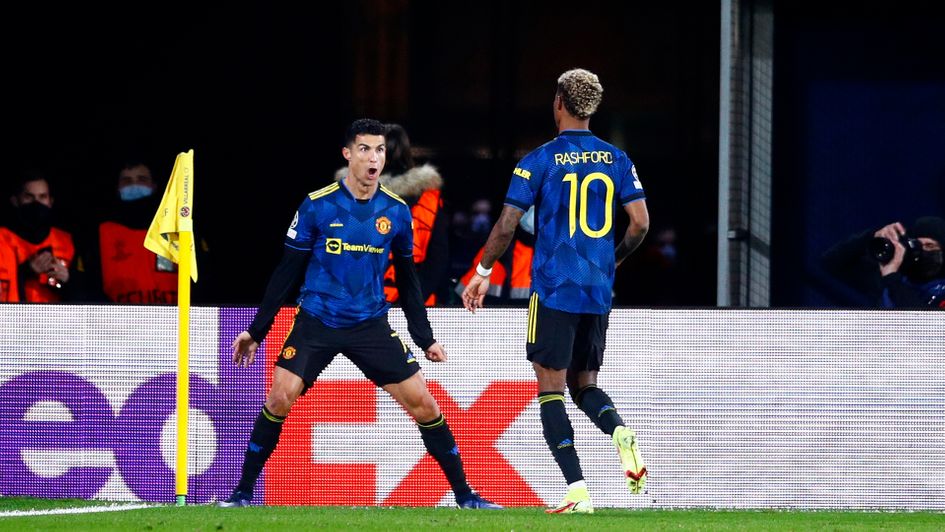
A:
x: 333, y: 246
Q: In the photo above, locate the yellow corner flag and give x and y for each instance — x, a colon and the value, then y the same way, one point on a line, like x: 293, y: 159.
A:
x: 175, y: 215
x: 171, y: 236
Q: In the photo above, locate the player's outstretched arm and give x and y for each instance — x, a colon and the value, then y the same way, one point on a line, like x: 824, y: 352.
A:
x: 499, y: 240
x: 244, y: 349
x: 639, y: 225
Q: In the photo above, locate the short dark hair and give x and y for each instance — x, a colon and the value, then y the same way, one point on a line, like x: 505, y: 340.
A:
x: 28, y: 175
x: 133, y: 161
x: 363, y: 126
x: 399, y: 158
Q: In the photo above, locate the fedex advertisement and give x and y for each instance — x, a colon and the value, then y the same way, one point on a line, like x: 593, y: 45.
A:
x: 728, y: 407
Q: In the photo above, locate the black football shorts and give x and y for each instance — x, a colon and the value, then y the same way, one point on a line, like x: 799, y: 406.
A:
x: 371, y: 345
x: 564, y: 340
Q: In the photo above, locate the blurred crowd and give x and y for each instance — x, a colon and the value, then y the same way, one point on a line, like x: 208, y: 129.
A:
x: 101, y: 259
x: 104, y: 261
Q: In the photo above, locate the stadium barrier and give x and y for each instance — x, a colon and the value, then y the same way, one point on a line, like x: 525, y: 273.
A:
x: 733, y: 409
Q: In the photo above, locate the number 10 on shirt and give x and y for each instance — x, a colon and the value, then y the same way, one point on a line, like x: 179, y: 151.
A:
x: 575, y: 215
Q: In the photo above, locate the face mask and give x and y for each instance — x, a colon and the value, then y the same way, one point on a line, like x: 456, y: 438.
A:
x: 927, y: 267
x: 134, y: 192
x: 480, y: 222
x: 34, y: 221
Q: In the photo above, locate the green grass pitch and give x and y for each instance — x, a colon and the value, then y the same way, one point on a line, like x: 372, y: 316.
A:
x: 275, y: 518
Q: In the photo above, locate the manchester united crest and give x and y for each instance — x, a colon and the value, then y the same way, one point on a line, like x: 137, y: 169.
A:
x: 288, y: 352
x: 383, y: 225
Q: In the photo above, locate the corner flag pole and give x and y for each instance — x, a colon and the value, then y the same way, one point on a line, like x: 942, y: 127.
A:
x: 183, y: 363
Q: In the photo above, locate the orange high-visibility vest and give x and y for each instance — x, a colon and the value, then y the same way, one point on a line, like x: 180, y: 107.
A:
x: 424, y: 214
x: 521, y: 281
x: 9, y: 288
x: 496, y: 278
x: 37, y: 289
x: 131, y: 273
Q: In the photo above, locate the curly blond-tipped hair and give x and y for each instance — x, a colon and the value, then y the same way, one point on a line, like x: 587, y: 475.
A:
x: 581, y: 92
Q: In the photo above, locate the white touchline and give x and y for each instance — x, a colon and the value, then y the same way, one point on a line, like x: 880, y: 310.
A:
x: 83, y: 510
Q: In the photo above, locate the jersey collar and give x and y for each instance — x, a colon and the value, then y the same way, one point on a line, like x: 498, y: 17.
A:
x: 347, y: 191
x: 576, y: 133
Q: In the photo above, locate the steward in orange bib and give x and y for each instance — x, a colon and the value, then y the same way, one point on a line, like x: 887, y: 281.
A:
x: 513, y: 271
x: 118, y: 266
x: 35, y: 257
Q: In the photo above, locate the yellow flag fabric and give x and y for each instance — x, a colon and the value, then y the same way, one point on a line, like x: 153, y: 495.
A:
x: 175, y: 214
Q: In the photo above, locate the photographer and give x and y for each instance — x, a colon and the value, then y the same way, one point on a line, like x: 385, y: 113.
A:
x: 893, y: 267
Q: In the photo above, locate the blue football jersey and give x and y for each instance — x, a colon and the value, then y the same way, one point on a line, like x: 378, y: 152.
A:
x: 575, y: 183
x: 350, y: 241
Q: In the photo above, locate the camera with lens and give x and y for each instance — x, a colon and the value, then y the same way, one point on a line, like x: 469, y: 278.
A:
x: 881, y: 249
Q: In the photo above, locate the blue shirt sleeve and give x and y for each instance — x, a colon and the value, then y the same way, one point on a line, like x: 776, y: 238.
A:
x: 402, y: 245
x: 304, y: 228
x: 526, y: 178
x: 631, y: 189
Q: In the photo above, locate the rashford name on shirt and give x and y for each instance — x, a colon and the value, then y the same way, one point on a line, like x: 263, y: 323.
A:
x: 575, y: 157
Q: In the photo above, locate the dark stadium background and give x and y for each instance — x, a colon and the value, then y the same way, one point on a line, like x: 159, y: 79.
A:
x: 263, y: 93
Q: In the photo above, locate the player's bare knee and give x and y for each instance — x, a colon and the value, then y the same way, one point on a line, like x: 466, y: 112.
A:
x: 584, y: 378
x: 277, y: 406
x: 427, y: 414
x: 280, y: 402
x: 423, y: 408
x: 579, y: 382
x: 549, y: 379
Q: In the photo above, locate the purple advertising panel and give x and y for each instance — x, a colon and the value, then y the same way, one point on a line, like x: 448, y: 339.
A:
x: 77, y: 431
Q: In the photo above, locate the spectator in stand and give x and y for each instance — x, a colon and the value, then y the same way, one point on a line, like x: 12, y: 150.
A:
x: 35, y: 256
x: 116, y: 266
